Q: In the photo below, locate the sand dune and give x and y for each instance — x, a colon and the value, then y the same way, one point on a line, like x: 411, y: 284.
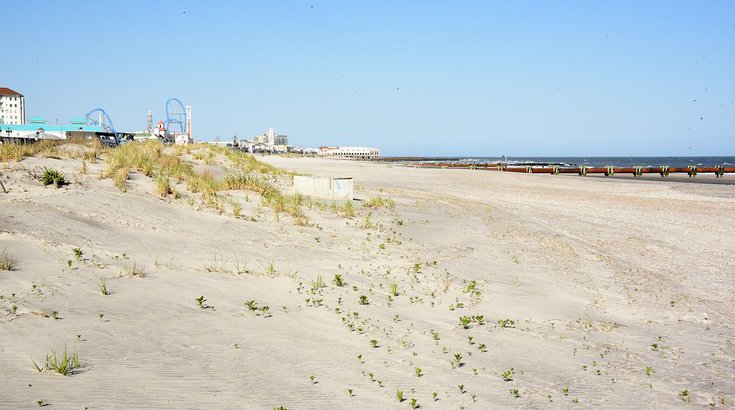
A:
x: 581, y: 284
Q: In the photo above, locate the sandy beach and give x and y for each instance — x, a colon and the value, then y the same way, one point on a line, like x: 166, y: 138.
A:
x: 459, y: 288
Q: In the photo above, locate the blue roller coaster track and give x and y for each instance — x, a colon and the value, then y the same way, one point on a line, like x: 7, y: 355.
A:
x: 98, y: 118
x: 175, y: 116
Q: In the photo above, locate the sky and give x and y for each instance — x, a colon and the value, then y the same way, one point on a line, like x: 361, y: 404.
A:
x: 424, y: 78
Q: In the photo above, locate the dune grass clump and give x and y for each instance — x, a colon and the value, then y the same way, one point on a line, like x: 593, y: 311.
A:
x: 150, y: 159
x: 133, y: 270
x: 248, y: 162
x: 7, y: 261
x: 17, y: 152
x: 343, y: 209
x: 65, y: 364
x: 272, y: 196
x: 379, y: 202
x: 318, y: 283
x: 52, y: 177
x: 102, y: 285
x: 147, y: 158
x: 249, y: 182
x: 163, y: 185
x: 120, y: 178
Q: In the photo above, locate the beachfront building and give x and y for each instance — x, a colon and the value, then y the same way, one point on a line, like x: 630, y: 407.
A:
x: 349, y: 152
x: 12, y: 107
x: 270, y: 137
x: 37, y: 129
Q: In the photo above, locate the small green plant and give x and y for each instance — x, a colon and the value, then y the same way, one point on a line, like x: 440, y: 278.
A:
x: 507, y: 375
x: 364, y: 300
x: 78, y: 254
x: 435, y: 396
x: 55, y: 314
x: 649, y: 372
x: 42, y: 403
x: 414, y: 404
x: 200, y: 302
x: 461, y: 389
x: 418, y: 372
x: 399, y: 395
x: 565, y: 391
x: 14, y: 308
x: 469, y: 340
x: 465, y: 322
x: 457, y: 360
x: 101, y: 315
x: 338, y: 280
x: 685, y: 396
x: 280, y: 408
x: 318, y: 283
x: 349, y: 392
x: 66, y: 365
x: 506, y: 323
x: 69, y: 262
x: 7, y: 262
x: 482, y: 347
x: 515, y: 393
x: 394, y: 289
x: 52, y: 177
x: 103, y: 287
x: 312, y: 378
x: 654, y: 347
x: 374, y: 343
x: 251, y: 305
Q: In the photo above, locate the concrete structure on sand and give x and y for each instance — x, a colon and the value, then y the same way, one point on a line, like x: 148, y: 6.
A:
x: 335, y: 189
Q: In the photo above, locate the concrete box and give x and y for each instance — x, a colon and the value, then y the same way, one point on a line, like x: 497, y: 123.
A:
x: 335, y: 189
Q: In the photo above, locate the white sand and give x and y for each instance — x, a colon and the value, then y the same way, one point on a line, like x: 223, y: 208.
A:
x: 593, y: 272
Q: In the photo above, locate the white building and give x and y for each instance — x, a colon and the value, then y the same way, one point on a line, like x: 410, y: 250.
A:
x: 349, y: 152
x: 12, y: 107
x: 270, y: 137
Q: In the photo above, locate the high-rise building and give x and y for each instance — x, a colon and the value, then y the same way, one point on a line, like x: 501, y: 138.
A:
x: 270, y: 136
x: 12, y: 107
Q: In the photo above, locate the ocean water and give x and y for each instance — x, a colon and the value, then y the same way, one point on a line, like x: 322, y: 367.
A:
x: 592, y: 161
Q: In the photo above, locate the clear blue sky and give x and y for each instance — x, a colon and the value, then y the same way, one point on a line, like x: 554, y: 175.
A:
x: 410, y: 77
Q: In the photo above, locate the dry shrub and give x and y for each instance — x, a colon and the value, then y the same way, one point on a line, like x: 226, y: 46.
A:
x: 120, y: 178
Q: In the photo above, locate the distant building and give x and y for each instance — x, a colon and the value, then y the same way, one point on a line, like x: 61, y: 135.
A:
x: 349, y: 152
x: 38, y: 129
x: 12, y: 107
x: 271, y: 138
